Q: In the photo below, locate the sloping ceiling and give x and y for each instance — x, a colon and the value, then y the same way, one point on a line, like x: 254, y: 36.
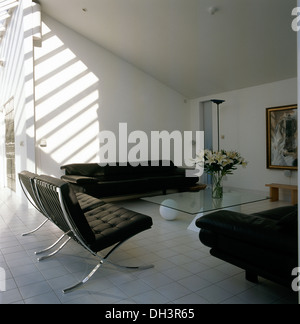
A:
x: 182, y: 44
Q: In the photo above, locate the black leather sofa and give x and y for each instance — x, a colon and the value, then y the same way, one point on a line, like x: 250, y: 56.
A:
x: 107, y: 181
x: 263, y: 244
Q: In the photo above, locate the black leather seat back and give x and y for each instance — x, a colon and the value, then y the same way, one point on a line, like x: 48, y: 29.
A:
x: 62, y: 205
x: 27, y: 183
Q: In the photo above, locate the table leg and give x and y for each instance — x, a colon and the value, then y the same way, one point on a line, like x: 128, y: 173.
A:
x: 294, y: 197
x: 274, y: 193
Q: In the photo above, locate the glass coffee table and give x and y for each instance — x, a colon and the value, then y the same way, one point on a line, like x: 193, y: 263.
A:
x: 200, y: 203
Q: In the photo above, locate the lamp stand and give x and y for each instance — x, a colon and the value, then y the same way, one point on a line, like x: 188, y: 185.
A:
x: 218, y: 103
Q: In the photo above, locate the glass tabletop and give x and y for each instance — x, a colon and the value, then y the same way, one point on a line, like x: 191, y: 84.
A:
x: 202, y: 201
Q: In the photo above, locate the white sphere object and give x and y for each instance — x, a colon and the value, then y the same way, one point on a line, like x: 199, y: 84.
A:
x: 169, y: 213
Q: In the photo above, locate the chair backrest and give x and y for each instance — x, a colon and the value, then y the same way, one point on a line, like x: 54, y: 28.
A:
x: 60, y: 202
x: 26, y: 179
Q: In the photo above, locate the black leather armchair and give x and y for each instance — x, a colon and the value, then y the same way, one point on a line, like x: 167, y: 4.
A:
x: 90, y: 222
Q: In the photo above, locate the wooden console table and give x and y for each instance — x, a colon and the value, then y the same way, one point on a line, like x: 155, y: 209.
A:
x: 274, y: 191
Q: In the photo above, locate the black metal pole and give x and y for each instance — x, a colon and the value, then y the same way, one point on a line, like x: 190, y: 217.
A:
x: 218, y: 102
x: 218, y: 108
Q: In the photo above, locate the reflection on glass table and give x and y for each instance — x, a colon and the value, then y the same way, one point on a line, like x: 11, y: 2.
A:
x: 198, y: 203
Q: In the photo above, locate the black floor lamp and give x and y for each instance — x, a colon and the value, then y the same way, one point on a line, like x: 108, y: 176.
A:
x: 218, y: 103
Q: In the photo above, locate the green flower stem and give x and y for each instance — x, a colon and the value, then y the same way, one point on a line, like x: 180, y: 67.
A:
x: 217, y: 189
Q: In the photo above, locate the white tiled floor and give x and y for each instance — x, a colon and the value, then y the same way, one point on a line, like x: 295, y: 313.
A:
x: 184, y: 270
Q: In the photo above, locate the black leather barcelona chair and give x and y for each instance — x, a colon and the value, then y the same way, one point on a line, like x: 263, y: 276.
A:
x: 96, y: 229
x: 27, y: 183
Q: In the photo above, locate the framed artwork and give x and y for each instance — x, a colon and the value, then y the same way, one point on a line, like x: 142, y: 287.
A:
x: 282, y: 138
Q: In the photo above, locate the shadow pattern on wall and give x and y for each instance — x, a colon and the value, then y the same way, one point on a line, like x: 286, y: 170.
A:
x: 66, y: 104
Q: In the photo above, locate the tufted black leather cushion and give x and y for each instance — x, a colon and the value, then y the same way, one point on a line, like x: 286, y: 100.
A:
x: 107, y: 219
x: 100, y: 224
x: 109, y: 223
x: 88, y: 202
x: 112, y: 224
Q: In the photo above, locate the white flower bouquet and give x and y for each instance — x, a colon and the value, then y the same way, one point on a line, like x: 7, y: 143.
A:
x: 223, y: 161
x: 219, y: 164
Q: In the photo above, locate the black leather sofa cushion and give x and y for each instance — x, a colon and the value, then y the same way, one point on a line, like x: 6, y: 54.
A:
x: 277, y: 213
x: 289, y: 222
x: 110, y: 172
x: 256, y: 230
x: 83, y: 169
x: 79, y: 179
x: 264, y: 243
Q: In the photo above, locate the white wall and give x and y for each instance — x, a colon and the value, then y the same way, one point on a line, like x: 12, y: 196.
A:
x: 16, y: 81
x: 82, y: 88
x: 243, y: 123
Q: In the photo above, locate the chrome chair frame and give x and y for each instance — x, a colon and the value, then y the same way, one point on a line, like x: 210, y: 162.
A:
x: 52, y: 246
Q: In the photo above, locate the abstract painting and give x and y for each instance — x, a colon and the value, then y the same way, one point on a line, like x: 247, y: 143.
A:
x: 282, y: 138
